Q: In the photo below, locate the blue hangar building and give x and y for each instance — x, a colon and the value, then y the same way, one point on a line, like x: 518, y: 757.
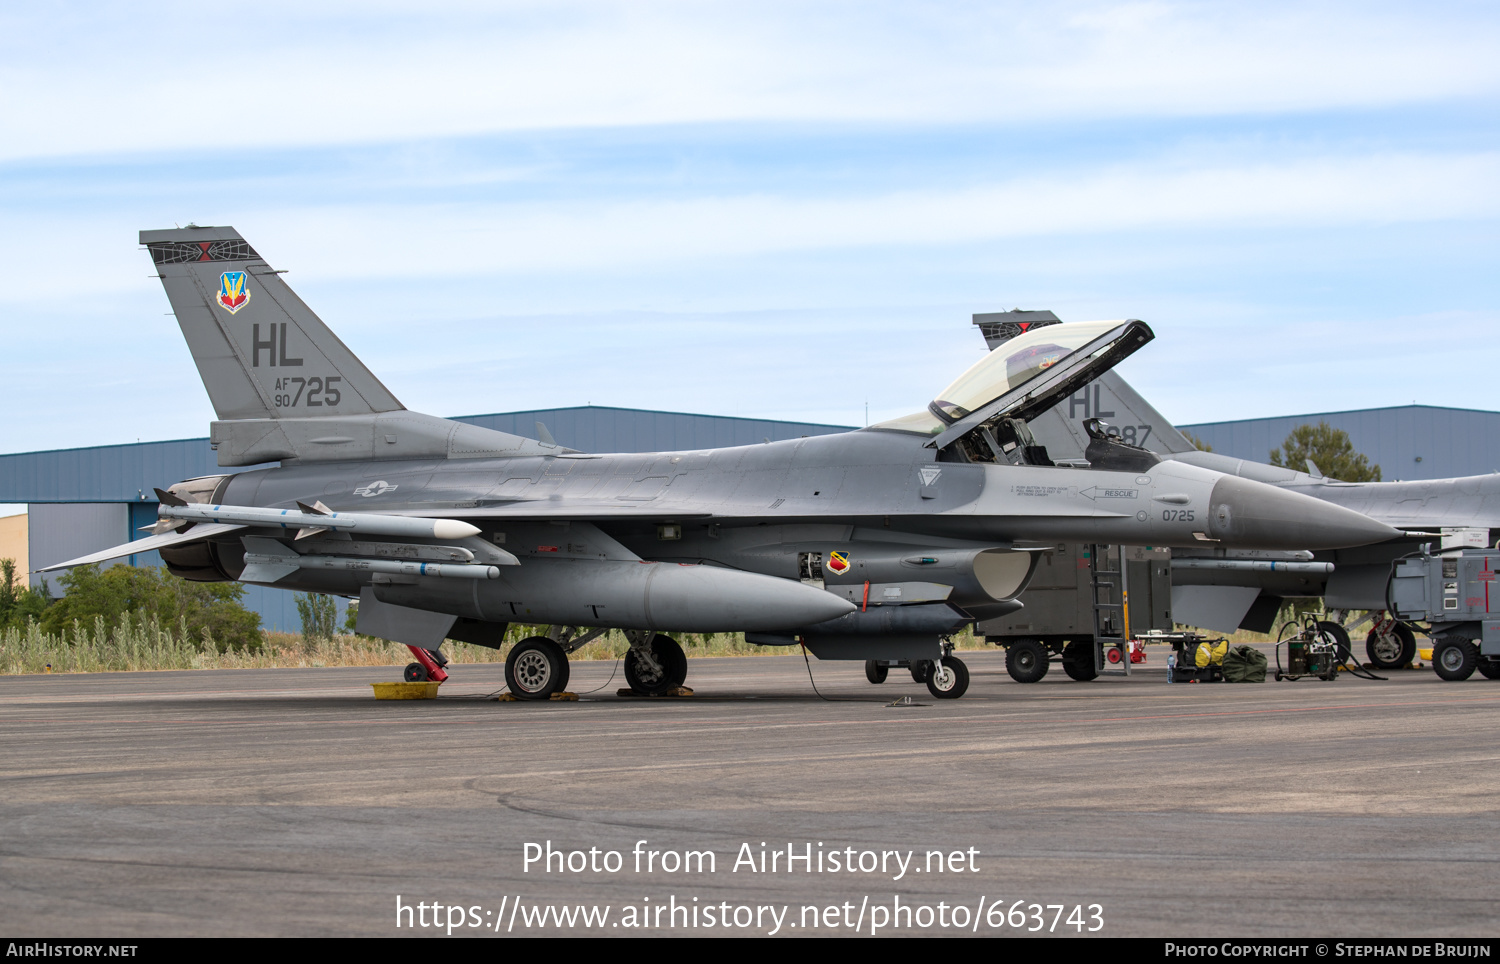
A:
x: 83, y: 500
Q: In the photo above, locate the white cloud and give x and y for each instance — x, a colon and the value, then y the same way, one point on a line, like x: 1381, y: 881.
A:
x: 519, y: 238
x: 575, y: 238
x: 166, y: 77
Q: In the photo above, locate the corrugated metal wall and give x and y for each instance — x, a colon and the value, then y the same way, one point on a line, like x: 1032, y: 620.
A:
x: 1409, y: 442
x: 104, y: 473
x: 63, y: 531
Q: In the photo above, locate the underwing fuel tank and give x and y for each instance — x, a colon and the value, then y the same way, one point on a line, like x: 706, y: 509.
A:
x: 664, y: 596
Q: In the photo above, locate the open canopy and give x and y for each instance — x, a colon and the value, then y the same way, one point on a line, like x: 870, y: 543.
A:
x: 1025, y: 376
x: 1013, y: 364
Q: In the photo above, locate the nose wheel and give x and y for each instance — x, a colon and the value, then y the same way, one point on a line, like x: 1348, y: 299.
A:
x: 948, y: 679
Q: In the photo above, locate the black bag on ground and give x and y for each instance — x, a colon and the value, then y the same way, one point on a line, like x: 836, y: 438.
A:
x: 1244, y: 664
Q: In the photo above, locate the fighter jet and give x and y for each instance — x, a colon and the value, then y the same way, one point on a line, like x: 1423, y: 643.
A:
x: 1224, y: 587
x: 873, y: 544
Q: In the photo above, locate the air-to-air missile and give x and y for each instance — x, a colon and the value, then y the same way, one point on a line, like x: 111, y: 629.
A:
x: 873, y: 544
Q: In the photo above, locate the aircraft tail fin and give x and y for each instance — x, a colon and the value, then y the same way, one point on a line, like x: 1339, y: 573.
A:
x: 282, y: 384
x: 262, y: 353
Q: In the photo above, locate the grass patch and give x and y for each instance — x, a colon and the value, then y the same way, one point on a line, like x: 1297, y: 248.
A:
x: 136, y: 646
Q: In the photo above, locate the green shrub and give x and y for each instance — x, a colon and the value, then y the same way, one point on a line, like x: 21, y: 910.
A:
x: 318, y: 612
x: 209, y: 611
x: 18, y: 603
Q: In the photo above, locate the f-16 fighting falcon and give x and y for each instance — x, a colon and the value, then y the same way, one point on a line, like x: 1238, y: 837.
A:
x: 873, y: 544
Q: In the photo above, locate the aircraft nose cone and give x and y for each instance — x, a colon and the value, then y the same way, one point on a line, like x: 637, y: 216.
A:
x: 1259, y: 516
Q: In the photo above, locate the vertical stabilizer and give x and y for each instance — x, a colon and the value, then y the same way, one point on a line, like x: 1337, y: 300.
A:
x: 261, y: 352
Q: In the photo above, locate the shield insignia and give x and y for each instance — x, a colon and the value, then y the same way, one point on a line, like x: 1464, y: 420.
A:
x: 234, y: 291
x: 838, y: 562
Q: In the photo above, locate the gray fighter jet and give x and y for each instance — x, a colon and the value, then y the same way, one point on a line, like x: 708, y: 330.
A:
x: 1225, y: 588
x: 875, y: 544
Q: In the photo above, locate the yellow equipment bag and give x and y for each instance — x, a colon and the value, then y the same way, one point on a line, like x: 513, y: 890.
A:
x: 1211, y: 654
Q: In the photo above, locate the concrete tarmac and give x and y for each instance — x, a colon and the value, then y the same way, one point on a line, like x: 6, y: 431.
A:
x: 290, y: 802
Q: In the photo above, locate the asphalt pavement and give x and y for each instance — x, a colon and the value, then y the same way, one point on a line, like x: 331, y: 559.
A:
x: 290, y: 802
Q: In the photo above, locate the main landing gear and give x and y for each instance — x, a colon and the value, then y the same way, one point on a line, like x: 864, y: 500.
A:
x: 654, y: 665
x: 537, y: 667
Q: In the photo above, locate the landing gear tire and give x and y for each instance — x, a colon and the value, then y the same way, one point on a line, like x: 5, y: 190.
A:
x: 536, y: 668
x: 1488, y: 669
x: 673, y: 662
x: 1078, y: 662
x: 1340, y: 637
x: 951, y: 682
x: 920, y: 670
x: 1026, y: 661
x: 415, y: 673
x: 876, y: 672
x: 1454, y: 659
x: 1391, y: 650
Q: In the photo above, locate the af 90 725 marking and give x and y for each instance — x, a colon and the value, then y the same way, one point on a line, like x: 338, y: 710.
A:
x: 286, y: 397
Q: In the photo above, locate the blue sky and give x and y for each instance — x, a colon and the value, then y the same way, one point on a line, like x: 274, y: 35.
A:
x: 771, y: 210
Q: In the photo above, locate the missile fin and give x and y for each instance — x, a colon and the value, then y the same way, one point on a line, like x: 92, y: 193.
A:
x: 167, y: 498
x: 266, y: 573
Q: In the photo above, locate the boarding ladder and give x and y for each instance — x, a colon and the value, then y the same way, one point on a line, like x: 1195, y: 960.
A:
x: 1110, y: 597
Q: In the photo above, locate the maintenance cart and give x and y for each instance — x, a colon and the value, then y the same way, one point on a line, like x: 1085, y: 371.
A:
x: 1452, y: 592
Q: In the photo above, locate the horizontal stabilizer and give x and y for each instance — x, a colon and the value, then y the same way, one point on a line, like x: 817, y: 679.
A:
x: 149, y: 544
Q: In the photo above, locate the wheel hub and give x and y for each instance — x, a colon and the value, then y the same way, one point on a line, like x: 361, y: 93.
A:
x: 649, y: 670
x: 533, y: 671
x: 943, y: 677
x: 1453, y: 658
x: 1387, y: 647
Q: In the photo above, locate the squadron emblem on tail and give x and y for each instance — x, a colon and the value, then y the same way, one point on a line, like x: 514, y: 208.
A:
x: 234, y: 293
